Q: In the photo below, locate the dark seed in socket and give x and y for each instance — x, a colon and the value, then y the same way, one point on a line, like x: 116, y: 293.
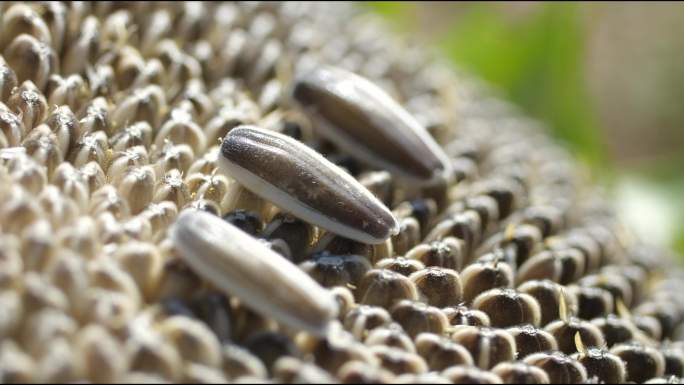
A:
x: 356, y: 372
x: 334, y: 351
x: 562, y: 266
x: 530, y: 340
x: 417, y: 317
x: 668, y: 316
x: 424, y: 210
x: 617, y: 285
x: 636, y: 276
x: 560, y: 368
x: 462, y: 315
x: 520, y: 373
x: 384, y: 287
x: 465, y: 226
x: 505, y: 191
x: 470, y: 375
x: 565, y: 330
x: 336, y: 270
x: 649, y: 326
x: 507, y: 307
x: 548, y: 295
x: 615, y: 330
x: 674, y: 362
x: 592, y: 302
x: 522, y: 241
x: 362, y: 319
x: 408, y: 235
x: 398, y: 361
x: 586, y: 244
x: 270, y: 346
x: 298, y: 234
x: 607, y: 367
x: 214, y: 309
x: 487, y: 208
x: 643, y: 363
x: 438, y: 286
x: 488, y: 347
x: 246, y: 221
x: 240, y: 265
x: 400, y: 265
x: 298, y: 179
x: 485, y: 275
x: 364, y: 121
x: 392, y: 335
x: 448, y: 253
x: 440, y: 353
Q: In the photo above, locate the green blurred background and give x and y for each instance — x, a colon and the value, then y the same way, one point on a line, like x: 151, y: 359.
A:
x: 607, y: 78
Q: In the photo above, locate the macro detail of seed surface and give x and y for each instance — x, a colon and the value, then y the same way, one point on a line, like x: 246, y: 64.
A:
x: 303, y: 182
x: 289, y: 192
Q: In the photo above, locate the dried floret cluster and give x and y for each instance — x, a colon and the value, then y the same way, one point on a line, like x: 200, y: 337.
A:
x: 492, y: 259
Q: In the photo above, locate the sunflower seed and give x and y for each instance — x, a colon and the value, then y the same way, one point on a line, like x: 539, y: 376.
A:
x: 242, y: 266
x: 364, y: 121
x: 300, y: 180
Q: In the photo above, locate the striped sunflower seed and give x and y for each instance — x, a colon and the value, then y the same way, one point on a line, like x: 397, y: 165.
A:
x: 299, y: 180
x: 367, y: 123
x: 242, y: 266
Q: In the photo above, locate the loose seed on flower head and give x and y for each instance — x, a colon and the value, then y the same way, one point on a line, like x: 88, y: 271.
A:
x: 365, y: 121
x: 297, y: 179
x: 237, y: 263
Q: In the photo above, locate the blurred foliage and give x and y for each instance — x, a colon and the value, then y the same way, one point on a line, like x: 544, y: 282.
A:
x: 537, y: 61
